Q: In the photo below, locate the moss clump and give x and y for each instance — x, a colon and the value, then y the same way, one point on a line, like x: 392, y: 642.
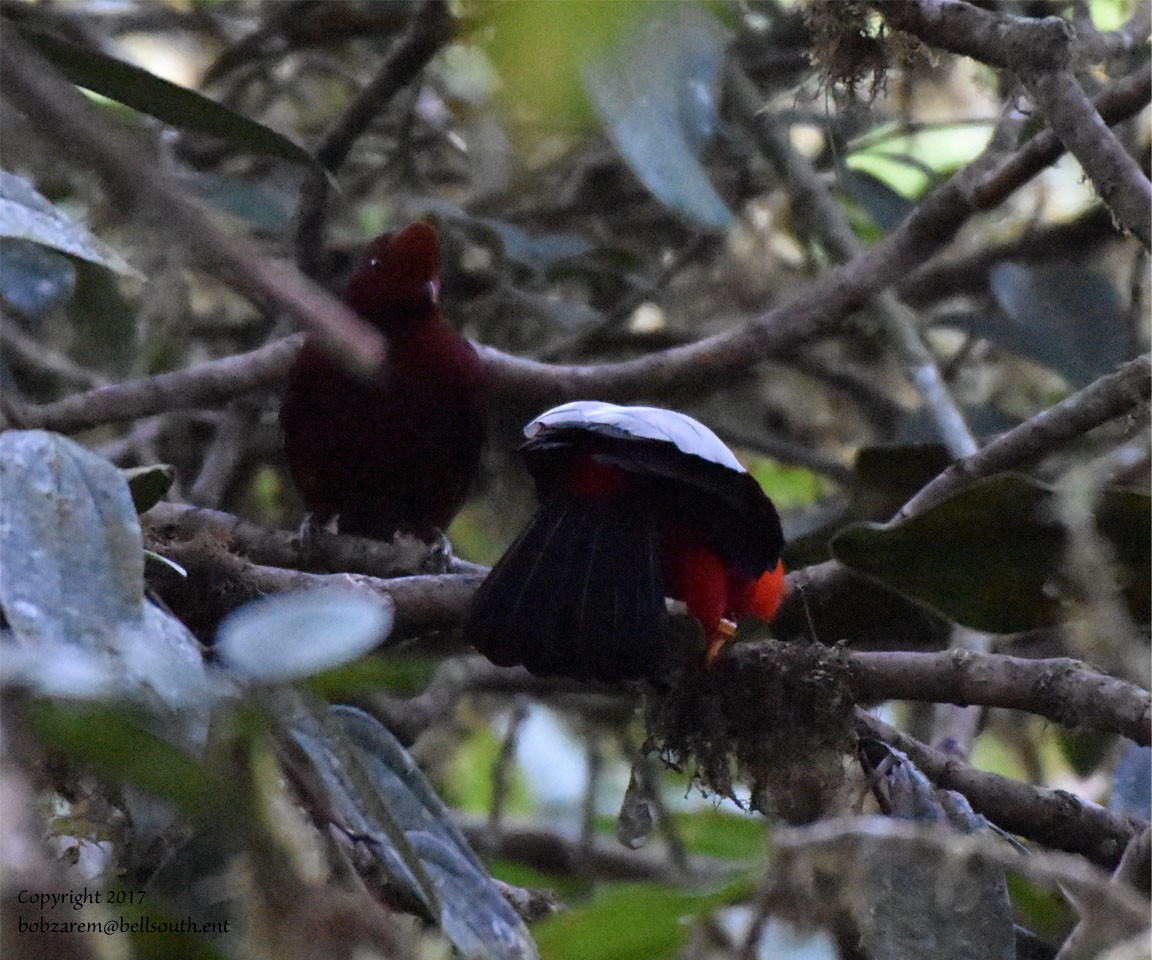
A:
x: 776, y: 716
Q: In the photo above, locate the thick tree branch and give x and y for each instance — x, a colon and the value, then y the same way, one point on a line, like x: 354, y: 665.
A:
x: 282, y: 548
x: 832, y: 229
x: 1054, y: 818
x: 1065, y: 691
x: 1040, y: 52
x: 1113, y: 171
x: 219, y: 581
x: 204, y: 385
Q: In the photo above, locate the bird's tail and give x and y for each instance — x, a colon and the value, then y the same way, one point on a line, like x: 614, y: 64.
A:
x: 579, y: 594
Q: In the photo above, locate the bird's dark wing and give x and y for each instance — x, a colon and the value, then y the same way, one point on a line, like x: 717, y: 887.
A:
x: 579, y: 594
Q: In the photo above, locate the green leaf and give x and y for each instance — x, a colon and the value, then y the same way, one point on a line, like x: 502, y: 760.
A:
x: 148, y: 93
x: 148, y: 484
x: 631, y: 922
x: 1040, y: 907
x: 27, y: 215
x: 406, y: 677
x: 991, y: 557
x: 1085, y: 750
x: 120, y: 746
x: 713, y: 833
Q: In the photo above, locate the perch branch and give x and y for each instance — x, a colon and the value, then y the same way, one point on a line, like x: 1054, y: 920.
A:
x: 1063, y: 690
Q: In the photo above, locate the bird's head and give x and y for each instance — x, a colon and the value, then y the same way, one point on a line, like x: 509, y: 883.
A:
x: 398, y: 282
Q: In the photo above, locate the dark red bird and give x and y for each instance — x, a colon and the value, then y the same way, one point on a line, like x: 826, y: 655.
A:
x: 400, y: 454
x: 636, y: 504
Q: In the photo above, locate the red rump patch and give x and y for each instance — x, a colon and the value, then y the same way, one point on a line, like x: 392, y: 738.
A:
x: 596, y: 481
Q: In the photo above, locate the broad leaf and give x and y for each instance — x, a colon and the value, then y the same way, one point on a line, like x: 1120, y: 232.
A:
x: 72, y: 581
x: 174, y: 105
x: 1065, y: 316
x: 296, y: 635
x: 26, y: 215
x: 35, y: 280
x: 991, y: 557
x: 148, y: 484
x: 380, y: 792
x: 656, y: 93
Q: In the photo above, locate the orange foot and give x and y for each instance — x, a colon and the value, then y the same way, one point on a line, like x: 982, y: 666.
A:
x: 725, y: 631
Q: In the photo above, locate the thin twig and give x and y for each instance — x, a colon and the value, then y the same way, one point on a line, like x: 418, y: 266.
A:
x: 34, y: 354
x: 66, y: 119
x: 830, y: 225
x: 430, y: 28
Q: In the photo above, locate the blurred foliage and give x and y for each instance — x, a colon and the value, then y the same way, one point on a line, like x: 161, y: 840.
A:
x: 538, y: 141
x: 789, y: 487
x: 630, y: 922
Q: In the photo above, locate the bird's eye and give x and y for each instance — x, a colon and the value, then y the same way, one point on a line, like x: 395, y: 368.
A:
x: 375, y: 262
x: 432, y: 290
